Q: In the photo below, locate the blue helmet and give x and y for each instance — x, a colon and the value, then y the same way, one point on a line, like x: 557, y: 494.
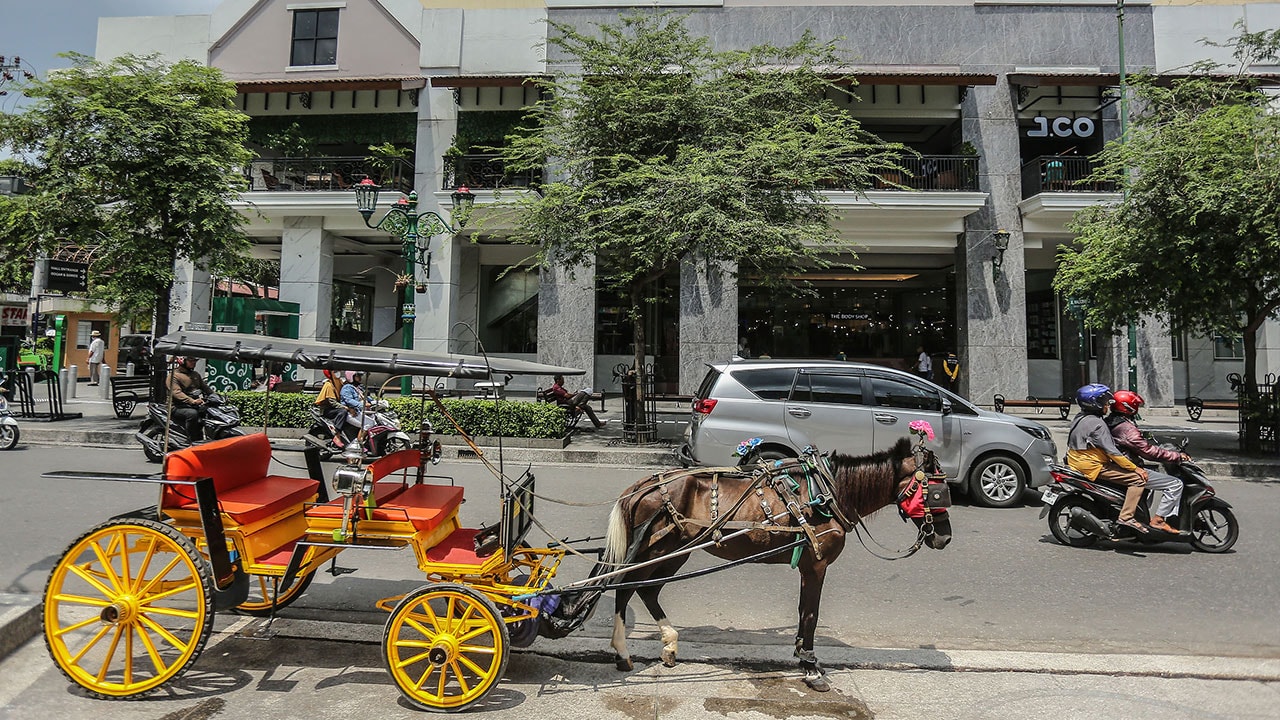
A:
x: 1093, y: 397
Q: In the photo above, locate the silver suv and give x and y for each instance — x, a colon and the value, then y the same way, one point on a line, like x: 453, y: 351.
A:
x: 857, y: 409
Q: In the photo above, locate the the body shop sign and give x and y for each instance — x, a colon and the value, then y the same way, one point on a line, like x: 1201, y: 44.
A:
x: 14, y: 316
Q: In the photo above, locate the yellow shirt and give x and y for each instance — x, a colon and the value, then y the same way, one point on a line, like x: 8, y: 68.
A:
x: 327, y: 392
x: 1090, y: 462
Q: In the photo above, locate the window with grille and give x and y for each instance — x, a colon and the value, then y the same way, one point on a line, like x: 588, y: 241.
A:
x: 315, y: 37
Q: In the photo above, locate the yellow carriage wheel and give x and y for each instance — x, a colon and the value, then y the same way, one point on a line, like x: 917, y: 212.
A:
x: 445, y: 646
x: 261, y: 588
x: 128, y: 607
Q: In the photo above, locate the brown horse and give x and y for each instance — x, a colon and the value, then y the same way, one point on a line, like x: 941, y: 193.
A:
x: 669, y: 512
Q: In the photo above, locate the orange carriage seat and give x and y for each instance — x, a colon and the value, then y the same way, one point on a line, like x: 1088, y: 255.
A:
x: 238, y: 466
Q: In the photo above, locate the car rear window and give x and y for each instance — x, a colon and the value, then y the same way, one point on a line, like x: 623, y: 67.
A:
x: 767, y: 383
x: 708, y: 382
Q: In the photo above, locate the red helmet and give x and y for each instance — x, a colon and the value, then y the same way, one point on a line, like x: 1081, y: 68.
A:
x: 1127, y: 402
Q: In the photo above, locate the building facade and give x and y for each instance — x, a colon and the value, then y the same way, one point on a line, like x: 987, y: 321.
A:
x: 1005, y: 102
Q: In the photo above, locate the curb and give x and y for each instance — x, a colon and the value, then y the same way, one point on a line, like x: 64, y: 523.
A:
x: 19, y: 621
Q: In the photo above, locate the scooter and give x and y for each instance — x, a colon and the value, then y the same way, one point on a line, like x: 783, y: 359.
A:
x: 383, y: 438
x: 1083, y: 511
x: 9, y: 432
x: 218, y: 418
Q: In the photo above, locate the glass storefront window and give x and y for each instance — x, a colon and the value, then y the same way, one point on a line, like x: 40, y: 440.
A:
x: 351, y: 321
x: 661, y: 329
x: 1042, y: 316
x: 508, y: 309
x: 878, y: 321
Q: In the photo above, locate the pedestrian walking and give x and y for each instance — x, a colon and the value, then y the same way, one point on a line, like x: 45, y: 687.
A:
x: 96, y: 350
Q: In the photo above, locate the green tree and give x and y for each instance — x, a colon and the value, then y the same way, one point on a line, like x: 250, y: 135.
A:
x: 665, y: 150
x: 1197, y: 234
x: 138, y: 157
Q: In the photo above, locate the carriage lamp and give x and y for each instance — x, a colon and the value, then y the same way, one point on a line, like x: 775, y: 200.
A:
x: 352, y: 480
x: 999, y: 238
x: 402, y: 219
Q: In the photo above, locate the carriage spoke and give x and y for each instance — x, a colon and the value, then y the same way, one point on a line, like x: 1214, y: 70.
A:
x: 111, y: 651
x: 159, y: 576
x: 173, y: 612
x: 448, y: 614
x: 123, y: 537
x: 83, y: 623
x: 106, y: 564
x: 476, y: 632
x: 405, y: 662
x: 470, y: 664
x: 462, y: 681
x: 444, y: 678
x: 82, y: 600
x: 430, y: 634
x: 170, y: 592
x: 146, y: 564
x: 478, y: 649
x: 75, y: 659
x: 88, y: 577
x: 128, y: 653
x: 156, y: 661
x: 425, y: 676
x: 162, y: 632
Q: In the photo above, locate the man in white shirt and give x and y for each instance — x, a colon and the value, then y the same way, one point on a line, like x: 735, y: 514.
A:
x: 96, y: 349
x: 924, y: 364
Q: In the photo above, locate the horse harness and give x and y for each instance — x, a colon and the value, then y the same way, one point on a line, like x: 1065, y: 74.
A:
x: 929, y: 492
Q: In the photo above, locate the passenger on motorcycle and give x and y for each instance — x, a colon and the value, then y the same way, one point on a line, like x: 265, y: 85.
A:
x: 188, y: 389
x: 353, y: 397
x: 330, y: 403
x: 1092, y: 452
x: 1124, y: 430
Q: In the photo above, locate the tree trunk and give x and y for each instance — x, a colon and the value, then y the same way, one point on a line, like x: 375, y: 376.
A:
x: 637, y: 337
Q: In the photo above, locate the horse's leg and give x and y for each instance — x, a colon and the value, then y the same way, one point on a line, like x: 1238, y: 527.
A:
x: 811, y: 579
x: 622, y: 658
x: 670, y: 638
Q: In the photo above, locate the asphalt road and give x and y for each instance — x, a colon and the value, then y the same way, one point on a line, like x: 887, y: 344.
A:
x: 1002, y: 584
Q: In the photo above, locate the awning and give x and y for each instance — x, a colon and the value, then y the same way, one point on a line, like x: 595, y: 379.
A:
x: 298, y: 85
x: 242, y: 347
x: 469, y: 81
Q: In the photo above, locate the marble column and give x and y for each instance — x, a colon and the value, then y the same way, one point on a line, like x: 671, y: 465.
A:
x: 708, y: 319
x: 991, y: 308
x: 1155, y: 363
x: 567, y: 317
x: 306, y: 274
x: 437, y: 307
x: 191, y: 300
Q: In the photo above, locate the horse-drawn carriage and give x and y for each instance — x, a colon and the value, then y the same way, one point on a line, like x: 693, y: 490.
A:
x: 130, y: 604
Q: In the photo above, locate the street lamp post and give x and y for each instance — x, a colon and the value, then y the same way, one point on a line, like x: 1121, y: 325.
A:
x: 403, y: 219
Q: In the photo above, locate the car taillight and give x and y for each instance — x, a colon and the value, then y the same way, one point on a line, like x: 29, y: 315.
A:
x: 704, y: 406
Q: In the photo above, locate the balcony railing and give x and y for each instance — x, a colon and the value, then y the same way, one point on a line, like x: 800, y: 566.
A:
x: 328, y: 173
x: 1059, y: 173
x: 927, y: 172
x: 483, y: 172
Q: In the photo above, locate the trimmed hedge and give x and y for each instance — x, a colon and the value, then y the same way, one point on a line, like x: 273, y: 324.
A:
x: 477, y: 417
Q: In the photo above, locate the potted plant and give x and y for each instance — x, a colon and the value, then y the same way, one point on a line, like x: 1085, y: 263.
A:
x: 385, y: 159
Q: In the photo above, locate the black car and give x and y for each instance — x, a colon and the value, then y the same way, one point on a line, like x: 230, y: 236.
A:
x: 134, y: 349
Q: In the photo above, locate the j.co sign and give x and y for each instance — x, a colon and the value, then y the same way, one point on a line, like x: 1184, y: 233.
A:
x: 13, y: 316
x: 1062, y: 127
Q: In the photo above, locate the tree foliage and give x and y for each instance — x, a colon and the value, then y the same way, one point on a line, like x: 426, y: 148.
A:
x: 136, y: 157
x: 1197, y: 235
x: 662, y: 149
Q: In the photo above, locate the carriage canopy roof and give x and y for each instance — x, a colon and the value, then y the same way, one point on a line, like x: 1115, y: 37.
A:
x: 243, y: 347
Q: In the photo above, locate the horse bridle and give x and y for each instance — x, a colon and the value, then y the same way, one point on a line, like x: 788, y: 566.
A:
x: 923, y: 496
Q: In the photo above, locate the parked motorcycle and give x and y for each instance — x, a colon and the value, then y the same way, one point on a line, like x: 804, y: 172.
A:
x: 1082, y: 511
x: 383, y: 438
x: 218, y: 418
x: 9, y: 432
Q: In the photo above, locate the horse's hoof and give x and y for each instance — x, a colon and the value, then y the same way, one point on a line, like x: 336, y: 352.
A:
x: 668, y: 658
x: 817, y: 683
x: 623, y: 664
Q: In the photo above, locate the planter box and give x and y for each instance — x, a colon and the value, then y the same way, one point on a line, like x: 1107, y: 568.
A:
x: 488, y: 441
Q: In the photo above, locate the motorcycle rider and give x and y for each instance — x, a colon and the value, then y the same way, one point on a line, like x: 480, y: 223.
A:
x: 183, y: 382
x: 1124, y: 430
x: 353, y: 397
x: 1093, y: 453
x: 330, y: 403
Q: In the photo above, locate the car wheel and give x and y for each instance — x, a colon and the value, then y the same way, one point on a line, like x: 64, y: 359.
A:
x: 764, y: 455
x: 997, y: 481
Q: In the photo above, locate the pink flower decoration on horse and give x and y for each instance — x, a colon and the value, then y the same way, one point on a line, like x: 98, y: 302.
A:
x: 921, y: 429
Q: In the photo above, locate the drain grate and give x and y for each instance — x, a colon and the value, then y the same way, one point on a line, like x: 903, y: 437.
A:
x: 467, y: 453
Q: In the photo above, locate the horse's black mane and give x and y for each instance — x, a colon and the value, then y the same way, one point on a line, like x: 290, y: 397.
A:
x: 869, y: 482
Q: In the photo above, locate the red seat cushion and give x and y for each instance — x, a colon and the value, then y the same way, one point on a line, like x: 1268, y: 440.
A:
x: 238, y: 467
x: 382, y: 493
x: 457, y: 549
x: 426, y: 506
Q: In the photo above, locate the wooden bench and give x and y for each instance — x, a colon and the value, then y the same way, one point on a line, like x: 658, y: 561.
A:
x: 671, y: 397
x: 127, y: 391
x: 1062, y: 404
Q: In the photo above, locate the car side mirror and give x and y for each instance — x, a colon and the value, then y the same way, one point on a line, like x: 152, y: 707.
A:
x: 946, y: 406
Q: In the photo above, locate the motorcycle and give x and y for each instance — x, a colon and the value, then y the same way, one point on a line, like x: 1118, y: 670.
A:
x: 383, y: 438
x: 218, y: 418
x: 1082, y: 511
x: 9, y: 432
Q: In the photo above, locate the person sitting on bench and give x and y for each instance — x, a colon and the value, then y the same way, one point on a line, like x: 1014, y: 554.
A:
x: 579, y: 401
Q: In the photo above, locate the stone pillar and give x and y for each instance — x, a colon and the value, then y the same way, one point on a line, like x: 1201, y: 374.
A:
x: 191, y: 300
x: 437, y: 307
x: 708, y: 319
x: 1155, y: 363
x: 991, y: 310
x: 567, y: 318
x: 306, y: 274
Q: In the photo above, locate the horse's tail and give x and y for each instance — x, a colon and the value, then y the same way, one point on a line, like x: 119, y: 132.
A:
x: 616, y: 537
